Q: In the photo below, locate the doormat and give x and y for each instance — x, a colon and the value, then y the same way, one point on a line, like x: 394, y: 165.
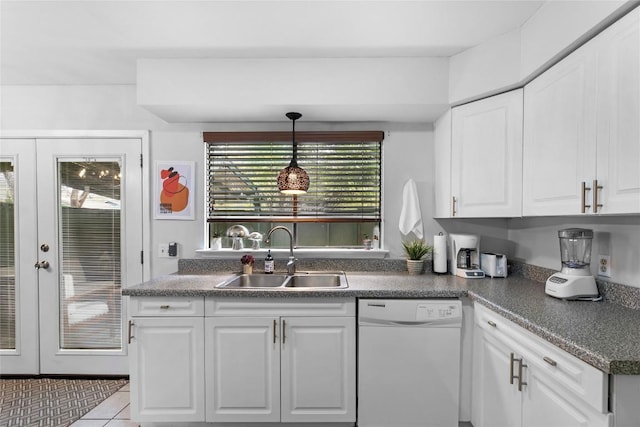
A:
x: 44, y: 402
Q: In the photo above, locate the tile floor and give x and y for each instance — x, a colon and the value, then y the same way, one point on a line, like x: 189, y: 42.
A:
x: 113, y: 412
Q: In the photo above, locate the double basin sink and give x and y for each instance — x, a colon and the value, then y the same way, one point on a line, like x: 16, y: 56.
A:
x: 307, y: 280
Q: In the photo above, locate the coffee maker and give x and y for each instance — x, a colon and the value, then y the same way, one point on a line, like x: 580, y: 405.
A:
x: 465, y: 256
x: 575, y: 280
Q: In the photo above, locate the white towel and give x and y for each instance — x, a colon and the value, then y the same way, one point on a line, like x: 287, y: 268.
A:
x: 411, y: 216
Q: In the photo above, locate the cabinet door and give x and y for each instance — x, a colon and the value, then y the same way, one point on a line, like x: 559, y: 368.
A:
x: 559, y: 136
x: 618, y: 99
x: 442, y: 165
x: 486, y: 157
x: 242, y: 369
x: 167, y: 369
x: 497, y: 403
x: 546, y: 405
x: 318, y: 369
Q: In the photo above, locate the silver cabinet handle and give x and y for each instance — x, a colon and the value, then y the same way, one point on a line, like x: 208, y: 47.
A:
x: 596, y: 187
x: 493, y: 324
x: 454, y: 212
x: 165, y: 307
x: 275, y: 325
x: 512, y: 377
x: 584, y: 197
x: 550, y: 361
x: 130, y: 330
x: 284, y: 337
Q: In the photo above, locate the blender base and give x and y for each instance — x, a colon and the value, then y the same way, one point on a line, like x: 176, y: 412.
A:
x: 565, y: 286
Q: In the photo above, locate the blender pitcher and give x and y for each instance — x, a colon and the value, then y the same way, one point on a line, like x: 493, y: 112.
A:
x: 575, y: 250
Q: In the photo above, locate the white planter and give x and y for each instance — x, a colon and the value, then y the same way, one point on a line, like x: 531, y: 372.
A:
x: 415, y: 266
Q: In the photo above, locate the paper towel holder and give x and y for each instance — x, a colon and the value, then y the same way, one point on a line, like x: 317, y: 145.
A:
x: 439, y: 254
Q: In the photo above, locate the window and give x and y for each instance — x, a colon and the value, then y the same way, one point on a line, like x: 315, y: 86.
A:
x: 342, y: 206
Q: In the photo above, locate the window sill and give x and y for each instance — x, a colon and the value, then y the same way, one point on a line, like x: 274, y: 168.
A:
x: 228, y: 253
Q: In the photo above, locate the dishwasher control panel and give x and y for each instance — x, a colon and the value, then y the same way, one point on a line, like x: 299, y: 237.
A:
x: 431, y: 311
x: 409, y: 311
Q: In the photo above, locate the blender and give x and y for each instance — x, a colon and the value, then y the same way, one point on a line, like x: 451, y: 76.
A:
x: 575, y: 280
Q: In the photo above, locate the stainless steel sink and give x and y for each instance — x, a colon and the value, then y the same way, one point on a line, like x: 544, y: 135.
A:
x: 317, y: 280
x: 252, y: 281
x: 306, y: 280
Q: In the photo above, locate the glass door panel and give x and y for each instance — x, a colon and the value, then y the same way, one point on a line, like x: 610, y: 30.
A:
x: 7, y: 257
x: 89, y: 206
x: 18, y: 253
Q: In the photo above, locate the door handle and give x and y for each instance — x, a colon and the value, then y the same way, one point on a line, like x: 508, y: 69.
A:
x: 42, y: 264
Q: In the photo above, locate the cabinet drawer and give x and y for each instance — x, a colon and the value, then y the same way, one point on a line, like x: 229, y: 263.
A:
x: 576, y: 377
x: 308, y: 307
x: 166, y: 306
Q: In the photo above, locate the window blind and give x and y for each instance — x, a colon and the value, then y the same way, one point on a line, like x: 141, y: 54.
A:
x: 344, y: 174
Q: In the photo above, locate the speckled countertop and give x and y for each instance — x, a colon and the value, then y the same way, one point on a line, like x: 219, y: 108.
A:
x: 603, y: 334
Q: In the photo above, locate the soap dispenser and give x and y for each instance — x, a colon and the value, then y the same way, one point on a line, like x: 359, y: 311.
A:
x: 268, y: 263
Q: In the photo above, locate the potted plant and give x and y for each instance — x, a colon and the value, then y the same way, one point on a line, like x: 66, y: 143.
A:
x: 415, y: 251
x: 247, y: 263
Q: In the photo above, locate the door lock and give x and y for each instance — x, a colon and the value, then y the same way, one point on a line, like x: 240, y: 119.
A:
x: 43, y: 264
x: 44, y: 247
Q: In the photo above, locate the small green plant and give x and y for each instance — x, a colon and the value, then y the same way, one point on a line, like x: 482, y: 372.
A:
x: 416, y: 249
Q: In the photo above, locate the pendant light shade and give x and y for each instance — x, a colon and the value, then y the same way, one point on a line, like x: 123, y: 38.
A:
x: 293, y: 179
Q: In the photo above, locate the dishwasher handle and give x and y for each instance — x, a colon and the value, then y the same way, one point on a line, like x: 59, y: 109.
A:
x: 381, y: 322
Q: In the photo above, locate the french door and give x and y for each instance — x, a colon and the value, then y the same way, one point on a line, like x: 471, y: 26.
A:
x: 75, y: 208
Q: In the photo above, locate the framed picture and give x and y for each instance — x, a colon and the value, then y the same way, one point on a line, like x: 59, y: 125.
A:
x: 174, y: 190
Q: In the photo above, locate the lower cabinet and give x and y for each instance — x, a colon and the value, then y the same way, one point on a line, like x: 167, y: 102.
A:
x: 262, y: 367
x: 521, y: 380
x: 256, y: 360
x: 166, y: 368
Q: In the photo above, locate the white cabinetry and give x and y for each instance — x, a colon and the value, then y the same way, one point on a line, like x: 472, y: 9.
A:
x: 522, y: 380
x: 289, y: 360
x: 581, y: 128
x: 166, y: 353
x: 486, y: 157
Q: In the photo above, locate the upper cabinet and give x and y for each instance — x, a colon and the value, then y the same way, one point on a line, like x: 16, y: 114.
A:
x: 581, y: 128
x: 479, y: 160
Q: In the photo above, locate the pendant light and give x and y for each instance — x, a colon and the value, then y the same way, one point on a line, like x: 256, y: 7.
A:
x: 293, y: 179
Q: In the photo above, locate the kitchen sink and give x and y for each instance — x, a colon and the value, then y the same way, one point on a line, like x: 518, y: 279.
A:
x: 250, y: 281
x: 306, y: 280
x: 317, y: 280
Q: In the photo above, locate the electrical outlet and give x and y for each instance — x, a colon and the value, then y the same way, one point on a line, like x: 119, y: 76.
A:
x: 604, y: 266
x: 163, y: 250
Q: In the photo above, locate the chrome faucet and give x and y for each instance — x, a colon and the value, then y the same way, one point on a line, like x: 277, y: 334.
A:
x: 291, y: 265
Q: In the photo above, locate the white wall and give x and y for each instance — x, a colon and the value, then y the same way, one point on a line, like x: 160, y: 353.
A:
x: 407, y: 151
x: 536, y: 241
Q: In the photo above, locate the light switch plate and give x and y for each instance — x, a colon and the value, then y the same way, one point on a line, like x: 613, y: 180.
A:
x: 604, y: 266
x: 163, y: 250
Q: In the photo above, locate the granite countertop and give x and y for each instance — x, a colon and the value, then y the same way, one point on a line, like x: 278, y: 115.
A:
x: 603, y: 334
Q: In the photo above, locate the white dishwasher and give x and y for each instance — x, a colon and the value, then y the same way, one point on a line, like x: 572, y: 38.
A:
x: 408, y: 362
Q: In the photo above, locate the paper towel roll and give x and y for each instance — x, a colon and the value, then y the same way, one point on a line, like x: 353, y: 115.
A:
x: 440, y: 253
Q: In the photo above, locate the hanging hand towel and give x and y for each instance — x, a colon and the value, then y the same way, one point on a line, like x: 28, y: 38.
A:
x: 411, y: 216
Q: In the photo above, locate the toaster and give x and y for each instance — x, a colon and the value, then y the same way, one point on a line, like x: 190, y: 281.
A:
x: 493, y: 265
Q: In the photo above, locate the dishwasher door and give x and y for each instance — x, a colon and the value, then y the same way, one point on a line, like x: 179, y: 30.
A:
x: 409, y: 363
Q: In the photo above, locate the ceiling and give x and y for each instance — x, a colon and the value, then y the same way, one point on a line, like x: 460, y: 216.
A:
x: 98, y: 42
